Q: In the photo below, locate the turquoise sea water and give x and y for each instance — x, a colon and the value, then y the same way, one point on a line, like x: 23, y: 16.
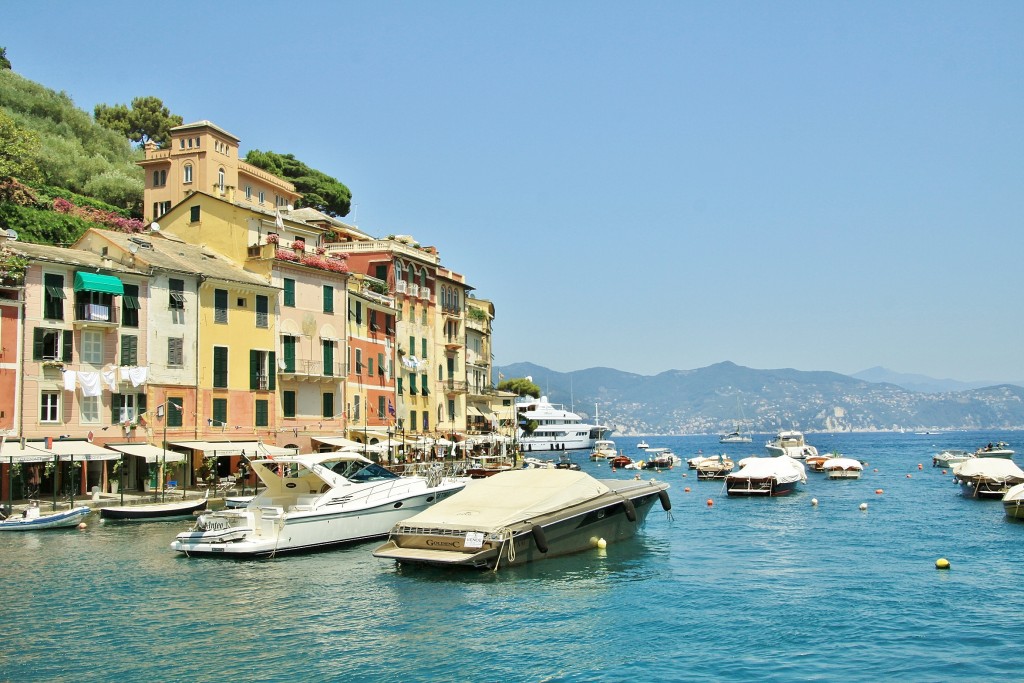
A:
x: 745, y: 589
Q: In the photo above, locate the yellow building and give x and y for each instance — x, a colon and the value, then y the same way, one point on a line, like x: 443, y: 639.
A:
x: 204, y: 158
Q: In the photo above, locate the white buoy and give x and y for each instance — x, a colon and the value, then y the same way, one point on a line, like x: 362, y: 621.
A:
x: 863, y: 506
x: 602, y: 544
x: 814, y: 501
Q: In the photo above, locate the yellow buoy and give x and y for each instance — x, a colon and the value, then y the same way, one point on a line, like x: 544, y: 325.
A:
x: 602, y: 544
x: 942, y: 563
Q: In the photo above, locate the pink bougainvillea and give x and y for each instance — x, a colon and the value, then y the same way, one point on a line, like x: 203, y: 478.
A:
x: 272, y: 238
x: 299, y: 244
x: 106, y: 218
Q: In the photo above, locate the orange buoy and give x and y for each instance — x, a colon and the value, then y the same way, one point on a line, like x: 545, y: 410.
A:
x: 918, y: 465
x: 875, y: 470
x: 81, y: 526
x: 686, y: 490
x: 943, y: 471
x: 710, y: 502
x: 878, y: 491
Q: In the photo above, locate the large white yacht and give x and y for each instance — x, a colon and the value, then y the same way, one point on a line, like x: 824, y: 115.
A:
x: 313, y: 501
x: 557, y: 429
x: 791, y: 444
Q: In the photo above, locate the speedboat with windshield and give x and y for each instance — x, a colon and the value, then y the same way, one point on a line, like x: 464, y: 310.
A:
x: 314, y: 501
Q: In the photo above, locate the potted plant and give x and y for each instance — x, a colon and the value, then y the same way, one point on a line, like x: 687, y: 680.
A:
x: 115, y: 476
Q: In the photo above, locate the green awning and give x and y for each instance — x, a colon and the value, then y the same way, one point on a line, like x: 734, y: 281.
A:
x: 94, y: 282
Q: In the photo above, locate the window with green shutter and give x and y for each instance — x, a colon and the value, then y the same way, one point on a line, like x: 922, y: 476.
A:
x: 193, y: 214
x: 423, y: 347
x: 328, y: 347
x: 130, y: 306
x: 262, y: 413
x: 328, y: 405
x: 369, y: 367
x: 381, y: 407
x: 262, y: 308
x: 129, y: 349
x: 220, y: 367
x: 380, y: 364
x: 53, y: 296
x: 289, y: 292
x: 424, y: 379
x: 328, y: 299
x: 220, y: 412
x: 220, y: 306
x: 175, y: 293
x: 412, y: 385
x: 288, y: 403
x: 288, y: 345
x: 175, y: 411
x: 399, y: 387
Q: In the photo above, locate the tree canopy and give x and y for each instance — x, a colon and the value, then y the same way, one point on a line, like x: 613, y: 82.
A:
x: 521, y: 386
x: 146, y: 119
x: 4, y: 62
x: 319, y: 190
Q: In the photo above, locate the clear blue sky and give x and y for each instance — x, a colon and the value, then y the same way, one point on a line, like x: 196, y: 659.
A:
x: 644, y: 186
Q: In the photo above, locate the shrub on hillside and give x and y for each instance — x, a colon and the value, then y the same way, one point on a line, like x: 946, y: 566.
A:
x: 42, y: 226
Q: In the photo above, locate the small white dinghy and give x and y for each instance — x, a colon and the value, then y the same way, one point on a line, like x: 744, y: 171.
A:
x: 32, y: 520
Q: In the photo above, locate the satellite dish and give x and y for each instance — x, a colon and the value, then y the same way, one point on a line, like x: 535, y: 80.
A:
x: 133, y: 248
x: 11, y: 234
x: 154, y: 227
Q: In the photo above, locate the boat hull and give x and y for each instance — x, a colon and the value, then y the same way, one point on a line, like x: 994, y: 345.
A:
x: 612, y: 518
x: 154, y: 512
x: 1014, y: 509
x: 57, y: 520
x: 763, y: 487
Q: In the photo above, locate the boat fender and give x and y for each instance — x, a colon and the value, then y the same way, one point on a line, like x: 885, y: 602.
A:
x: 666, y: 504
x: 630, y: 509
x: 539, y: 538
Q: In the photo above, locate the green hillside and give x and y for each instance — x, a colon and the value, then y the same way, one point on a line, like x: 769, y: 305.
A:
x: 59, y: 158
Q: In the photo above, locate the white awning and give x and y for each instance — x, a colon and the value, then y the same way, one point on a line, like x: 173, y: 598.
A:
x: 336, y: 441
x: 221, y: 449
x: 473, y: 410
x: 149, y: 453
x: 36, y: 451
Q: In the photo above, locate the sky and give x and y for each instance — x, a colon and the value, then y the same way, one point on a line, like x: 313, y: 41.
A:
x: 642, y: 186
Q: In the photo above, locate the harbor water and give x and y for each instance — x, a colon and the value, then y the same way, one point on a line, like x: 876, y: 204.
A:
x: 738, y: 589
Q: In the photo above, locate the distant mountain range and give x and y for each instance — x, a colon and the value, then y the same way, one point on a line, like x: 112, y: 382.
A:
x: 720, y: 397
x: 922, y: 382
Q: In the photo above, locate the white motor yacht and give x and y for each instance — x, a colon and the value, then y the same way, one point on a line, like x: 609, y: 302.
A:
x: 313, y: 501
x: 791, y: 444
x: 556, y: 429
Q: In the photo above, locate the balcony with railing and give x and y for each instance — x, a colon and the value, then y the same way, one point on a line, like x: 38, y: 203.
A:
x: 452, y: 386
x: 95, y: 315
x: 312, y: 371
x: 391, y: 246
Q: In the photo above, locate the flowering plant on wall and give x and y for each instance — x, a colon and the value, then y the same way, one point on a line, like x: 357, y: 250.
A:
x: 272, y: 238
x: 299, y: 245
